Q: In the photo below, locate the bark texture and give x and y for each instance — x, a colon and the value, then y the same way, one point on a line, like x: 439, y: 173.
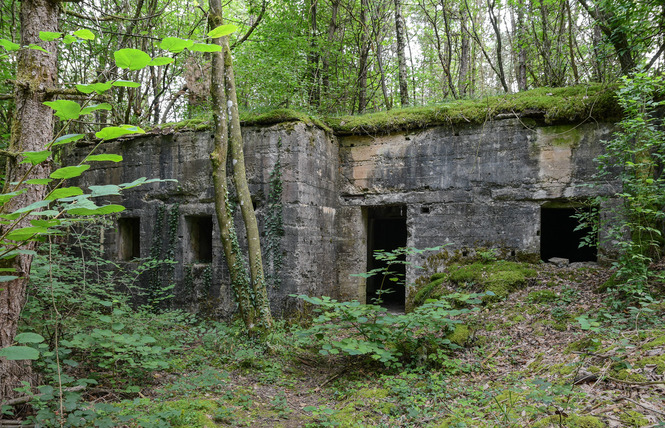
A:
x: 401, y: 58
x: 32, y: 130
x: 250, y: 291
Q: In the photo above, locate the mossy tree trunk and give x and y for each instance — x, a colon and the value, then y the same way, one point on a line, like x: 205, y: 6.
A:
x: 250, y: 289
x: 32, y: 130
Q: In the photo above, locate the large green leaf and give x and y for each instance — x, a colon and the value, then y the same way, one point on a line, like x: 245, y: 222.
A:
x: 9, y: 45
x: 65, y: 109
x: 161, y: 60
x: 7, y: 278
x: 202, y: 47
x: 93, y: 108
x: 109, y: 189
x: 69, y: 171
x: 4, y: 197
x: 84, y: 34
x: 38, y: 181
x: 175, y: 44
x: 109, y: 157
x: 111, y: 132
x: 25, y: 233
x: 35, y: 157
x: 106, y: 209
x: 68, y: 39
x: 100, y: 88
x: 29, y: 338
x: 19, y: 353
x: 67, y: 139
x: 46, y: 223
x: 64, y: 192
x: 222, y: 30
x: 132, y: 59
x: 49, y: 36
x: 37, y: 47
x: 127, y: 84
x: 33, y: 206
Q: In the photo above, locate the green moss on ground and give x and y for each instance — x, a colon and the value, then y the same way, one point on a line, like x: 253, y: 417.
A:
x: 501, y: 277
x: 572, y: 421
x: 553, y: 105
x: 541, y: 296
x: 461, y: 335
x: 633, y: 419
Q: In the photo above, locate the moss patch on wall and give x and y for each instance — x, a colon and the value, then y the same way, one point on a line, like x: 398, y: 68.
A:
x: 553, y: 105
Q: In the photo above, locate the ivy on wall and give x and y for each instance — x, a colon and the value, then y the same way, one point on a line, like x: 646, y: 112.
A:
x: 274, y: 224
x: 161, y: 276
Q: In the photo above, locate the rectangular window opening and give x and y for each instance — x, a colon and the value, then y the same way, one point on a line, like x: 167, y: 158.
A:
x: 200, y: 238
x: 561, y: 234
x: 129, y: 238
x: 387, y: 231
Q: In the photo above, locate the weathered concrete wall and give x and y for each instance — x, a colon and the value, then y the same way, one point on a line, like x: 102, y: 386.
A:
x: 299, y: 260
x: 465, y: 186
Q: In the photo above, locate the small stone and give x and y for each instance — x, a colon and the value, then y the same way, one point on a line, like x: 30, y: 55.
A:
x: 559, y: 261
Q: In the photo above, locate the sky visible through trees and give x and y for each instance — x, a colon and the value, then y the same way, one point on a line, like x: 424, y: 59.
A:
x: 343, y: 56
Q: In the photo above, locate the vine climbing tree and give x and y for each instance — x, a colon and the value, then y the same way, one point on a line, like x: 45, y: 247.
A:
x: 249, y: 288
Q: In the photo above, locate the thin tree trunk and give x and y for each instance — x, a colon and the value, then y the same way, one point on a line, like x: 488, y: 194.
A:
x: 32, y: 131
x: 364, y: 53
x: 250, y: 290
x: 313, y: 57
x: 465, y: 58
x: 494, y: 20
x: 332, y: 28
x: 521, y: 49
x: 449, y: 50
x: 239, y: 277
x: 261, y: 302
x: 401, y: 59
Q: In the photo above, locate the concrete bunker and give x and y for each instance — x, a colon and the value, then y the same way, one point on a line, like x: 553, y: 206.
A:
x: 561, y: 233
x: 344, y: 196
x: 387, y: 231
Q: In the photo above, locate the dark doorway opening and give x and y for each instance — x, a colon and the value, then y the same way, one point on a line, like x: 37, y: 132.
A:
x: 129, y: 238
x: 558, y: 237
x: 200, y: 238
x: 386, y: 231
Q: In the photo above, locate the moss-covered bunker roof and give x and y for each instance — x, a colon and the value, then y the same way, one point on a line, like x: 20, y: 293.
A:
x: 552, y: 105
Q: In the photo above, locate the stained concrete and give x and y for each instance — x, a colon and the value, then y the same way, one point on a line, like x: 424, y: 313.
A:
x: 464, y: 186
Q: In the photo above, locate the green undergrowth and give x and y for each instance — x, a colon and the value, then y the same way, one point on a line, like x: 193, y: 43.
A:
x: 553, y: 105
x: 499, y: 277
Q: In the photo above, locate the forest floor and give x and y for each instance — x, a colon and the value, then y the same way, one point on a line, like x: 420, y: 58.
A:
x: 549, y: 355
x: 528, y: 362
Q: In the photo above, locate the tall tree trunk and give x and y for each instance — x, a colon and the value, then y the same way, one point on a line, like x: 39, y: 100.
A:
x: 332, y: 28
x: 449, y: 49
x: 521, y: 48
x: 364, y: 53
x: 313, y: 57
x: 250, y: 290
x: 32, y: 130
x: 465, y: 57
x: 261, y: 302
x: 494, y: 20
x: 571, y: 43
x: 615, y: 31
x: 401, y: 59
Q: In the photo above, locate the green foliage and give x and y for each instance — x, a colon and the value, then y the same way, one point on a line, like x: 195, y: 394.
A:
x: 357, y: 329
x: 636, y: 154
